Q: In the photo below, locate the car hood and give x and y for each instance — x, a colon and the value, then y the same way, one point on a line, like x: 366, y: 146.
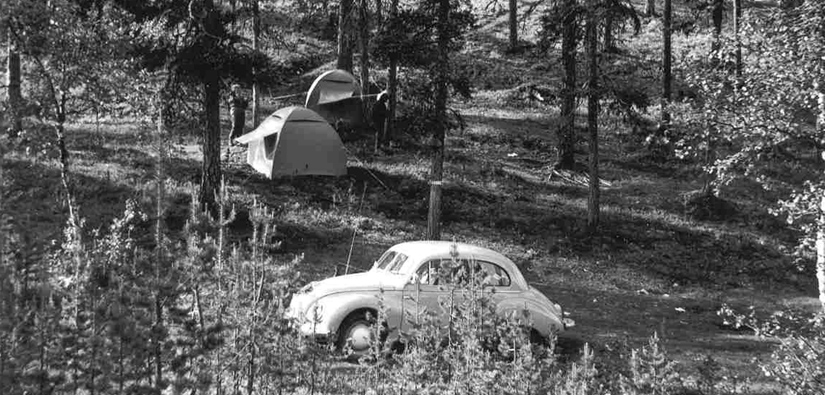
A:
x: 368, y: 281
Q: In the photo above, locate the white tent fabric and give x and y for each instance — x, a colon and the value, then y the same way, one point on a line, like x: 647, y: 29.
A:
x: 295, y: 141
x: 330, y: 87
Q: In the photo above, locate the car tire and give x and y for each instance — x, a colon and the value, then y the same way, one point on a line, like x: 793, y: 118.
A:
x: 357, y: 331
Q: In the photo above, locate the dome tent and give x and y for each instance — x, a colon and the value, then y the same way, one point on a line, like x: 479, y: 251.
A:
x: 295, y: 141
x: 335, y: 95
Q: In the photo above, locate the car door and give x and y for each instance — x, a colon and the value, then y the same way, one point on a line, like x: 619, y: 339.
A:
x: 433, y: 290
x: 495, y: 281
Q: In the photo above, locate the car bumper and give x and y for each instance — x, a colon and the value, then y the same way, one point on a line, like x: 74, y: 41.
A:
x: 316, y: 330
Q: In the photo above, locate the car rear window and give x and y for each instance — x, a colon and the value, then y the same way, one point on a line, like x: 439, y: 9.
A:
x: 391, y: 261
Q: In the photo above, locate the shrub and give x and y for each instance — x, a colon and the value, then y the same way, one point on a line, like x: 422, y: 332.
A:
x: 651, y: 371
x: 798, y: 362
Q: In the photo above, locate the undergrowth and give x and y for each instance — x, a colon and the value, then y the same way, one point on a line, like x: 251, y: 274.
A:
x: 106, y: 315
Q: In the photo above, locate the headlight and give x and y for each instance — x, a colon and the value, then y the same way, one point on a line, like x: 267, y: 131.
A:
x: 315, y: 311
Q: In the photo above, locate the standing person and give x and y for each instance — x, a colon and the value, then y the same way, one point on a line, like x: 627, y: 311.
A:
x: 237, y: 111
x: 379, y: 118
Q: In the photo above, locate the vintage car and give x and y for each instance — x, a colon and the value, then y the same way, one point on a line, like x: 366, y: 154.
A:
x: 411, y: 276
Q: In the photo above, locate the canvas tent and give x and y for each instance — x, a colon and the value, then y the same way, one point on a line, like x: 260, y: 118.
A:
x: 335, y: 95
x: 295, y: 141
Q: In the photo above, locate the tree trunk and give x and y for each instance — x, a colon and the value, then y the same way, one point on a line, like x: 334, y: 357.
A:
x: 650, y: 9
x: 158, y: 351
x: 717, y: 14
x: 65, y: 174
x: 160, y: 254
x: 593, y: 120
x: 364, y: 47
x: 820, y: 254
x: 819, y: 85
x: 392, y: 85
x: 344, y: 39
x: 440, y: 131
x: 379, y: 12
x: 666, y: 65
x: 211, y: 168
x: 737, y: 16
x: 609, y: 45
x: 513, y: 25
x: 256, y: 33
x: 13, y: 82
x: 566, y: 131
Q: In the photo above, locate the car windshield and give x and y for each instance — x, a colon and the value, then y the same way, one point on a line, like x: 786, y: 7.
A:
x: 391, y: 261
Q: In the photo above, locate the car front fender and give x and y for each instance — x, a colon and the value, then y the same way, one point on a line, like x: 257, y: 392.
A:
x: 337, y: 307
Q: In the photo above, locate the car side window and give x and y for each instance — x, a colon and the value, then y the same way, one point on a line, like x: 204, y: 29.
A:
x: 449, y: 272
x: 443, y: 272
x: 428, y: 273
x: 489, y: 274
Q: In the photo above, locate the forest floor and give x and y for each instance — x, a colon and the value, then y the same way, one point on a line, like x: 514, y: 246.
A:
x: 652, y: 267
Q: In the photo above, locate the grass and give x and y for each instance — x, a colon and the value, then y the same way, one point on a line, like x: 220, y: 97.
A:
x: 651, y: 267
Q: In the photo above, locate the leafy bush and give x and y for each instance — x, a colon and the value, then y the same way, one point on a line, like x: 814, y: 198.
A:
x: 798, y: 362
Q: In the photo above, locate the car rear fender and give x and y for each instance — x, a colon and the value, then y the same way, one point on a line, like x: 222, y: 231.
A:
x: 545, y: 317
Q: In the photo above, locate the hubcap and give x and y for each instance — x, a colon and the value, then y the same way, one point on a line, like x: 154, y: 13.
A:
x: 359, y: 337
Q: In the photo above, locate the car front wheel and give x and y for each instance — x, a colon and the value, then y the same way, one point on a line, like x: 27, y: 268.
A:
x: 357, y: 333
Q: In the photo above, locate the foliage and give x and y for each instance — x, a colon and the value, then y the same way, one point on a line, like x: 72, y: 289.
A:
x: 798, y: 363
x: 75, y: 58
x: 104, y: 311
x: 189, y: 41
x: 551, y: 21
x: 411, y: 38
x: 751, y: 121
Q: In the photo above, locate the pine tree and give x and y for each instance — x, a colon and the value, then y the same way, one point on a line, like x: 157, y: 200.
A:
x: 440, y: 115
x: 592, y: 43
x: 567, y: 128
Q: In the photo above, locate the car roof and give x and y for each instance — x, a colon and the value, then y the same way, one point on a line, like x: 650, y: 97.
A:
x: 419, y: 251
x: 427, y: 248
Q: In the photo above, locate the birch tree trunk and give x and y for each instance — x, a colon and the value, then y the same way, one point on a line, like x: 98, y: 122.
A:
x: 439, y: 134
